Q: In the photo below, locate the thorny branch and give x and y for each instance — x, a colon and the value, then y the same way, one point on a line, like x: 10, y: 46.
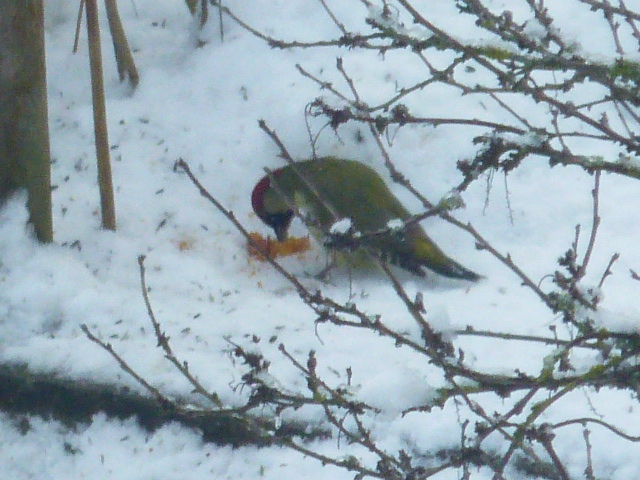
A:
x: 505, y: 145
x: 544, y: 71
x: 333, y: 400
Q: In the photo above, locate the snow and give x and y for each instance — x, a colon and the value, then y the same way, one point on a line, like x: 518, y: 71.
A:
x: 341, y: 227
x: 108, y: 449
x: 203, y: 105
x: 395, y: 224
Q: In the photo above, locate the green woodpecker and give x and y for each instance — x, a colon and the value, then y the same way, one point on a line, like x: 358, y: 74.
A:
x: 350, y: 190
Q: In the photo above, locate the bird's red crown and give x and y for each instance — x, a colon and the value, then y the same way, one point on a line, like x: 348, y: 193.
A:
x: 257, y: 196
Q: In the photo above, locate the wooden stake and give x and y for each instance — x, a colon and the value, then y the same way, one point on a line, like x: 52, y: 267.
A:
x: 105, y: 181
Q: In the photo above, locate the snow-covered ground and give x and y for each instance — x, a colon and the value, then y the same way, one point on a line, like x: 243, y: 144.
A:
x: 203, y: 105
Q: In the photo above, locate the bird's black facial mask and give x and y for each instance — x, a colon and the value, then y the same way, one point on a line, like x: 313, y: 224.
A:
x: 280, y: 223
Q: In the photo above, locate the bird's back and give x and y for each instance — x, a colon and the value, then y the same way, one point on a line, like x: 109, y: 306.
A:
x: 350, y: 189
x: 347, y: 186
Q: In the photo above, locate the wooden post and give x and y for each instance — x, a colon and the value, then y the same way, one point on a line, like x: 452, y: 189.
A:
x: 105, y: 181
x: 25, y: 158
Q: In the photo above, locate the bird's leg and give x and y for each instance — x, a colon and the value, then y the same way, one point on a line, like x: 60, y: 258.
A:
x: 332, y: 261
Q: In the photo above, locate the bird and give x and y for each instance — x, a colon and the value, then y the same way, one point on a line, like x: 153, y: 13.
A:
x: 326, y: 190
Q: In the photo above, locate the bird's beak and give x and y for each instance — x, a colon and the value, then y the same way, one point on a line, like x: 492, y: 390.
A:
x: 280, y: 223
x: 282, y: 232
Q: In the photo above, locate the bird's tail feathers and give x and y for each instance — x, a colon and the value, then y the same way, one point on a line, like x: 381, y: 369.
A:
x: 431, y: 257
x: 453, y: 269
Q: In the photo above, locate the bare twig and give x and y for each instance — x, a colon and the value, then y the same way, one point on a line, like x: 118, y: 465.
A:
x: 581, y: 343
x: 162, y: 400
x: 334, y: 19
x: 433, y: 340
x: 546, y: 439
x: 607, y: 271
x: 163, y: 342
x: 594, y: 226
x: 519, y: 437
x: 182, y: 165
x: 585, y: 420
x: 588, y: 470
x: 76, y: 39
x: 630, y: 20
